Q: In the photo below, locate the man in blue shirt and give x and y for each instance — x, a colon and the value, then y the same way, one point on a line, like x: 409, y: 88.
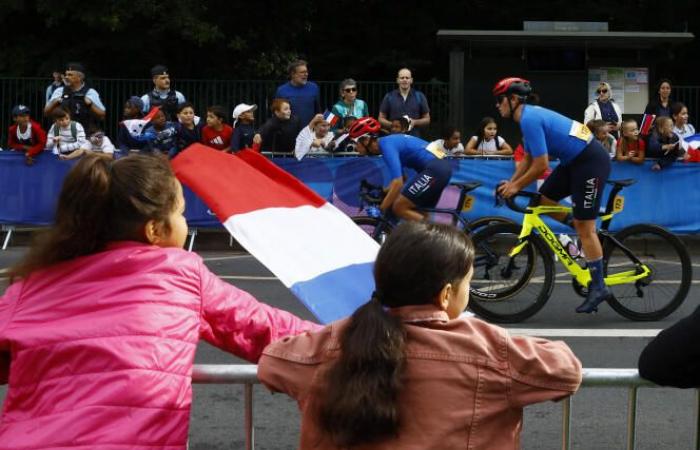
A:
x: 303, y: 95
x: 582, y: 172
x: 399, y: 152
x: 405, y: 102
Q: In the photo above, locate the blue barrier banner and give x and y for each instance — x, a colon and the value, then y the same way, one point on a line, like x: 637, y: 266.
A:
x: 668, y: 198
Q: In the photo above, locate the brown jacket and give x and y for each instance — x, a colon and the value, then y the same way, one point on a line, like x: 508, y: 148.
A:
x: 465, y: 382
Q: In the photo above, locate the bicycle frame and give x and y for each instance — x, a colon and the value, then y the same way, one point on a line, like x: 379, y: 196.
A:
x: 531, y: 220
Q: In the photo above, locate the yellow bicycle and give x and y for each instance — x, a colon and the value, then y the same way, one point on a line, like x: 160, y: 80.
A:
x: 647, y: 268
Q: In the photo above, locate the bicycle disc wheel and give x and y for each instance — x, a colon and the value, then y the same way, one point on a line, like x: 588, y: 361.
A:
x: 663, y: 291
x: 505, y: 289
x: 377, y: 229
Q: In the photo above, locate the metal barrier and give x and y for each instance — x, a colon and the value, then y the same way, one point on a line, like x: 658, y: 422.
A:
x: 623, y: 378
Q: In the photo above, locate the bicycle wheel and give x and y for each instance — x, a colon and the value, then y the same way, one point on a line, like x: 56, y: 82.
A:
x: 505, y: 289
x: 379, y: 230
x: 662, y: 292
x: 481, y: 222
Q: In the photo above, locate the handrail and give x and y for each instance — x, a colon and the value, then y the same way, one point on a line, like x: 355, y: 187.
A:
x: 593, y: 378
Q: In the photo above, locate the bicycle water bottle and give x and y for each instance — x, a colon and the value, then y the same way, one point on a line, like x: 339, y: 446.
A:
x: 373, y: 211
x: 569, y: 245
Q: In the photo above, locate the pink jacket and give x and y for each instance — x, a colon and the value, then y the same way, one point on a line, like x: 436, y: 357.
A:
x: 465, y: 381
x: 101, y: 348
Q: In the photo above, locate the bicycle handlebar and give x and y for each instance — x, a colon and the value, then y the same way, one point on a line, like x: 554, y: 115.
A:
x: 510, y: 202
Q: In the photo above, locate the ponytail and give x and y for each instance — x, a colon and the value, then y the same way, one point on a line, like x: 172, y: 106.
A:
x: 360, y: 401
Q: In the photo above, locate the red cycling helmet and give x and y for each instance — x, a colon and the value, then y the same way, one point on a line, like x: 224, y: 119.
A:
x: 365, y: 126
x: 512, y: 85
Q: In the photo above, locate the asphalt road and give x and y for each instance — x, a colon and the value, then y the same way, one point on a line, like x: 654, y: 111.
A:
x: 666, y: 417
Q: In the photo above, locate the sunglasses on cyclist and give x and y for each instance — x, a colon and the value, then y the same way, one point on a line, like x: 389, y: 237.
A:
x: 351, y: 89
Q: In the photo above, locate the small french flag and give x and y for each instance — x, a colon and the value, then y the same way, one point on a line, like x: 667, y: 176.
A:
x: 331, y: 118
x: 136, y: 126
x: 647, y: 123
x: 312, y: 247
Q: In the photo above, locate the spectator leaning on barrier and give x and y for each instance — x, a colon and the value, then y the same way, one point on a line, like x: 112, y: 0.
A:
x: 450, y: 143
x: 664, y: 144
x: 303, y: 95
x: 66, y: 137
x: 486, y: 140
x: 406, y: 371
x: 25, y: 135
x: 188, y: 128
x: 99, y: 329
x: 314, y: 138
x: 660, y: 105
x: 243, y: 127
x: 405, y: 101
x: 606, y: 109
x: 133, y: 109
x: 349, y: 104
x: 631, y: 147
x: 83, y: 103
x: 600, y: 128
x: 99, y: 143
x: 217, y: 133
x: 55, y: 84
x: 679, y: 114
x: 280, y: 132
x: 161, y: 95
x: 160, y: 134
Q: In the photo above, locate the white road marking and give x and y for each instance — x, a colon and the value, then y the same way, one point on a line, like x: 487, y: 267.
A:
x: 224, y: 258
x: 248, y: 277
x: 584, y: 332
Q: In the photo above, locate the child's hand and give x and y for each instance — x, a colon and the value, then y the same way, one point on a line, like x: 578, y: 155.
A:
x: 28, y: 160
x: 632, y: 153
x: 257, y: 139
x: 57, y: 139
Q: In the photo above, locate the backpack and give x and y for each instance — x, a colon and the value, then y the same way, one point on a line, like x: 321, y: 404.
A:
x: 73, y: 130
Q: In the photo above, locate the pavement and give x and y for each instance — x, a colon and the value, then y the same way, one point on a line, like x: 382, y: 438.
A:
x: 665, y: 418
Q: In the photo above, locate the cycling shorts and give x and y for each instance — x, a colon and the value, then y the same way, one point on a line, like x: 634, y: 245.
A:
x: 583, y: 178
x: 425, y: 187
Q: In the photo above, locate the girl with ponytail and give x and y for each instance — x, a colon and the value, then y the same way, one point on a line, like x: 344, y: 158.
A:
x: 407, y: 370
x: 98, y: 330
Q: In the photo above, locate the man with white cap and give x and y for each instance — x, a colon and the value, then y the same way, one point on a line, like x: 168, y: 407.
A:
x: 83, y: 103
x: 243, y: 127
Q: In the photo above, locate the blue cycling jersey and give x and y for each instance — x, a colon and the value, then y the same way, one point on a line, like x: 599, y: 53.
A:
x: 548, y: 132
x: 402, y: 150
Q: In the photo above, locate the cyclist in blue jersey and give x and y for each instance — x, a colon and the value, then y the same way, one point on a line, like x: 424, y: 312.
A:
x: 401, y: 151
x: 583, y: 168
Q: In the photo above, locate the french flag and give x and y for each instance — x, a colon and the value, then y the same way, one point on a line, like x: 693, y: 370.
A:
x: 312, y: 247
x: 647, y: 123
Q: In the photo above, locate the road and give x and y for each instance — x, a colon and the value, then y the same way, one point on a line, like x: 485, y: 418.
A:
x: 604, y: 340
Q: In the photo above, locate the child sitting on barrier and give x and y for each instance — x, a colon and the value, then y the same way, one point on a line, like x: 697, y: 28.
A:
x: 26, y: 135
x: 450, y: 143
x: 486, y: 141
x: 630, y: 147
x: 406, y: 370
x: 98, y: 332
x: 66, y: 137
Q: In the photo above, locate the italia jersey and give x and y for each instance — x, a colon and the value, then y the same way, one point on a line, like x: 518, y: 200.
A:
x: 402, y: 150
x: 546, y: 132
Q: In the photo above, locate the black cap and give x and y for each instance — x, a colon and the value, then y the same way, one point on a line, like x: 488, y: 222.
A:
x: 159, y: 70
x: 20, y: 110
x: 75, y: 66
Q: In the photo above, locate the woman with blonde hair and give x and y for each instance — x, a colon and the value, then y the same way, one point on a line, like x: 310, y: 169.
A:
x: 605, y: 108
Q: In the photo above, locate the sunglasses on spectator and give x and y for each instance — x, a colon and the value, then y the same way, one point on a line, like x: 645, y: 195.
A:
x: 350, y: 89
x: 602, y: 91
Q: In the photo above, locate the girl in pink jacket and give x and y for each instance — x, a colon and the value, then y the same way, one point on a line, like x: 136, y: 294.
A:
x: 406, y: 371
x: 99, y: 331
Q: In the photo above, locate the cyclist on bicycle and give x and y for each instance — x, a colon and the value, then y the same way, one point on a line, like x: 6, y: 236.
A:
x: 582, y: 171
x: 402, y: 151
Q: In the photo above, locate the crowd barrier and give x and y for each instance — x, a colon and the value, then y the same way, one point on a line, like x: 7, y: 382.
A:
x: 592, y: 378
x: 668, y: 198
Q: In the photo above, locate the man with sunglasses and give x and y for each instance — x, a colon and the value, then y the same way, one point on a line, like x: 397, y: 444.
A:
x: 605, y: 108
x: 405, y: 102
x: 584, y: 167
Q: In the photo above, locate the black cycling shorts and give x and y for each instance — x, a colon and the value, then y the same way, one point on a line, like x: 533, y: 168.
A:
x: 425, y: 187
x: 583, y: 179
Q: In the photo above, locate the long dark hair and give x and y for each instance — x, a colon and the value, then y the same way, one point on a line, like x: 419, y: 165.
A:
x: 481, y: 134
x: 359, y: 403
x: 103, y: 200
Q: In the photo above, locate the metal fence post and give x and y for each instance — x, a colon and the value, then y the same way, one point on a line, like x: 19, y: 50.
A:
x: 249, y: 431
x: 566, y: 424
x: 631, y: 418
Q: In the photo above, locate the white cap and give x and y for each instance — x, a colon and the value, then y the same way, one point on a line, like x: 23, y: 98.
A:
x: 241, y: 108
